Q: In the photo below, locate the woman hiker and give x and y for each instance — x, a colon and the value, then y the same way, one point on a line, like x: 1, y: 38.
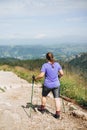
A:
x: 52, y: 71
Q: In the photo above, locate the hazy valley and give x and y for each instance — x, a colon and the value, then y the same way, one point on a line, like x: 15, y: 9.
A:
x: 62, y: 51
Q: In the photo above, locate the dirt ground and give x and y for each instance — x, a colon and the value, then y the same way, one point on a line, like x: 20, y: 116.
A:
x: 17, y: 112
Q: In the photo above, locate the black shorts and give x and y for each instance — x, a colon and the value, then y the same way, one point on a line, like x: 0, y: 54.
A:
x: 55, y: 91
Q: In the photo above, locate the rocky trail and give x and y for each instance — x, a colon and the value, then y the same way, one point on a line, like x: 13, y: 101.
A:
x: 16, y: 112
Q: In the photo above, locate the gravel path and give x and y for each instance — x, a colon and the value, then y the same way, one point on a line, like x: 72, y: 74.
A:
x: 16, y: 112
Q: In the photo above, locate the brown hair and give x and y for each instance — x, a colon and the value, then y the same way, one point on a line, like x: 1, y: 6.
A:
x: 50, y: 57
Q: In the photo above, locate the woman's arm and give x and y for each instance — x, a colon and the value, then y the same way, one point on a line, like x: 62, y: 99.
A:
x: 41, y: 75
x: 61, y: 73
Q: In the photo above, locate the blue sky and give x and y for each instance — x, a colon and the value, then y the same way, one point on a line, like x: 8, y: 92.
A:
x: 63, y: 20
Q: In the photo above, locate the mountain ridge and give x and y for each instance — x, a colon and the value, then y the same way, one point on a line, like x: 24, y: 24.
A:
x: 63, y: 52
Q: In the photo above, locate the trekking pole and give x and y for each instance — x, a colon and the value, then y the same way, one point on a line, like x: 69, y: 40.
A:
x: 63, y: 106
x: 33, y: 77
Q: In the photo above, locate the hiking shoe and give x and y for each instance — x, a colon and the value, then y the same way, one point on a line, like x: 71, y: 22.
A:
x: 56, y: 116
x: 41, y: 110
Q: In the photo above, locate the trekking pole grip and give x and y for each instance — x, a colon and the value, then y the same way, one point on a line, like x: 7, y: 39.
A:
x: 33, y: 78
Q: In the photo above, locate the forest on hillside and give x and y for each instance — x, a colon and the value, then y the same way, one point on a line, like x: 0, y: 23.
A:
x: 79, y: 64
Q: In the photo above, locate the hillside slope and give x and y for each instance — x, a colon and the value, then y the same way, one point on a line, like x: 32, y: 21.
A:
x: 15, y: 108
x: 80, y: 61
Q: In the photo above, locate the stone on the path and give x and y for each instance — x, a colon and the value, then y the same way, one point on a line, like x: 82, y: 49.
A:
x: 79, y: 114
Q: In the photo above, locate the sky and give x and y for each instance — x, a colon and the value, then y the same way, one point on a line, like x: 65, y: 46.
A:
x: 61, y: 20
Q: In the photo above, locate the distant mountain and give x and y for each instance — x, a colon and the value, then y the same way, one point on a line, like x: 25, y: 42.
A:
x: 61, y: 51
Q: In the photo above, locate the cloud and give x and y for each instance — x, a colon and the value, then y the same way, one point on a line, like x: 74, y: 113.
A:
x: 40, y: 36
x: 40, y: 19
x: 76, y: 19
x: 40, y: 7
x: 11, y: 8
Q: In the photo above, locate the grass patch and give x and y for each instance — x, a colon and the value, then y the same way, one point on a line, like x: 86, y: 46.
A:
x: 74, y: 87
x: 1, y: 89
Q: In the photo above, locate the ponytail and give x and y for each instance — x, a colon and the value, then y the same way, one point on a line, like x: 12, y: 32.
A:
x: 50, y: 57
